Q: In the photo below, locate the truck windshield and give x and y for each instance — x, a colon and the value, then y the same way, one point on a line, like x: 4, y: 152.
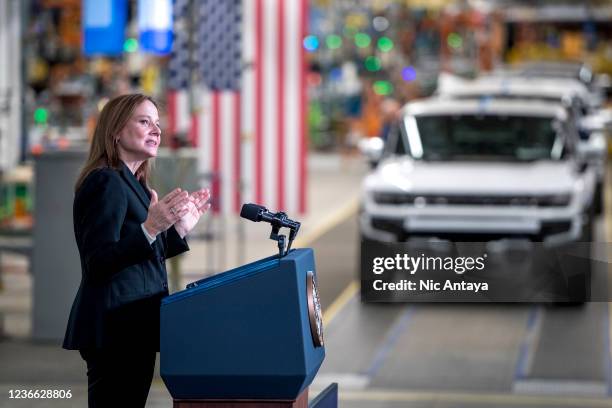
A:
x: 483, y: 137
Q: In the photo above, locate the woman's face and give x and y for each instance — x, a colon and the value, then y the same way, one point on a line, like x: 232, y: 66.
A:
x: 140, y: 137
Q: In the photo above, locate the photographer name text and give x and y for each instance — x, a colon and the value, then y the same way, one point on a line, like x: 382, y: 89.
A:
x: 429, y: 285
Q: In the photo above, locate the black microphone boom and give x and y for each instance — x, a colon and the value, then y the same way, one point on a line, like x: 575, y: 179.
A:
x: 257, y: 213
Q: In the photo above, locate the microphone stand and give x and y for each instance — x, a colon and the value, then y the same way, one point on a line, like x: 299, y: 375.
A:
x: 281, y: 239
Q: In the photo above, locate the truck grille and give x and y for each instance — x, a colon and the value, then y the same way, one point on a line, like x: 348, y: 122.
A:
x: 517, y: 201
x: 396, y: 227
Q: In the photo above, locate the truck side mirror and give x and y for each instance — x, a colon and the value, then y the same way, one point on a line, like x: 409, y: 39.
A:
x: 372, y: 149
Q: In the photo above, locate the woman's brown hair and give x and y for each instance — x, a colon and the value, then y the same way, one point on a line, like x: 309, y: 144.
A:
x: 103, y: 150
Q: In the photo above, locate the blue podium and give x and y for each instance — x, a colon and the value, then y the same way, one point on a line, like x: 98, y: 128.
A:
x: 251, y: 334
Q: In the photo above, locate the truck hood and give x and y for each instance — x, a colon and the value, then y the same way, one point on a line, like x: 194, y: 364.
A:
x: 534, y: 178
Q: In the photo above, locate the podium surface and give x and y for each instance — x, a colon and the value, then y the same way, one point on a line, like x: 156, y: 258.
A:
x: 253, y: 332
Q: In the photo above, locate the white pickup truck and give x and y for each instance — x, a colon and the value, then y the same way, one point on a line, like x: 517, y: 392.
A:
x: 573, y: 94
x: 480, y: 170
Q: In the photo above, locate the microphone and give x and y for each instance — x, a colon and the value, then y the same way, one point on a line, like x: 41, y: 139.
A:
x: 252, y: 212
x: 257, y: 213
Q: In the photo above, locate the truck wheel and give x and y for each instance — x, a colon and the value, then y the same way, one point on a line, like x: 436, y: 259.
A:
x: 579, y: 286
x: 598, y: 199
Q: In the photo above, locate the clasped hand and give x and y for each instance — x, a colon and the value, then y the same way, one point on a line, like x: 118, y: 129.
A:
x: 178, y: 208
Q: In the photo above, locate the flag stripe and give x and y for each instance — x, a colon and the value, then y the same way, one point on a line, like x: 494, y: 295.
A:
x: 258, y: 101
x: 194, y: 130
x: 248, y: 104
x: 205, y: 149
x: 303, y: 106
x: 227, y: 123
x: 280, y: 92
x: 269, y: 70
x: 292, y: 181
x: 236, y: 182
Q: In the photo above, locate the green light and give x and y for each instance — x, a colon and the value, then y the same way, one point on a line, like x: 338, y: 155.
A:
x: 362, y: 40
x: 385, y: 44
x: 372, y: 64
x: 130, y: 45
x: 382, y: 87
x: 454, y: 41
x: 333, y: 41
x: 41, y: 115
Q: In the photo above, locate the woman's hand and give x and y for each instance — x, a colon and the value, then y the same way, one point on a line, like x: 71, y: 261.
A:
x: 163, y: 214
x: 197, y: 205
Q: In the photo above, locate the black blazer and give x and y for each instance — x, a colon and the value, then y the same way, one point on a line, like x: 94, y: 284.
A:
x: 123, y: 276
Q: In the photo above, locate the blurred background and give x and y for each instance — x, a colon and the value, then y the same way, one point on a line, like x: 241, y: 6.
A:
x: 305, y: 106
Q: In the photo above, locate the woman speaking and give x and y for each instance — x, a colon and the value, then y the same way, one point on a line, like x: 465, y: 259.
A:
x: 124, y: 234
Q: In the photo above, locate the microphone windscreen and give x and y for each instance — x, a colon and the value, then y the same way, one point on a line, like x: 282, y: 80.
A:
x: 252, y: 211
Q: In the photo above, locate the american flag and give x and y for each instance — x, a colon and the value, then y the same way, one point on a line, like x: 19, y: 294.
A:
x: 179, y: 74
x: 274, y: 94
x: 251, y: 125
